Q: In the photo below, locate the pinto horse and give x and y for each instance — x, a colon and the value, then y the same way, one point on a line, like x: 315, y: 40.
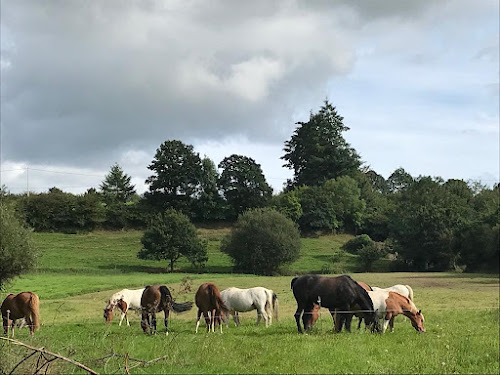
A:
x: 390, y: 304
x: 265, y: 301
x: 156, y: 298
x: 23, y: 305
x: 404, y: 290
x: 335, y: 293
x: 209, y: 302
x: 124, y: 300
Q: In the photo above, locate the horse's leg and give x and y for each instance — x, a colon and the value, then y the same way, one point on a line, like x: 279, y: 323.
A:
x: 348, y: 320
x: 391, y: 324
x: 126, y: 318
x: 297, y: 315
x: 208, y: 319
x: 360, y: 320
x: 145, y: 321
x: 121, y: 319
x: 198, y: 317
x: 29, y: 323
x: 153, y: 322
x: 12, y: 326
x: 212, y: 320
x: 236, y: 317
x: 167, y: 314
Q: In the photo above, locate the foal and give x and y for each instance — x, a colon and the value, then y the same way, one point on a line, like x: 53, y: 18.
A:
x: 23, y: 305
x: 211, y: 305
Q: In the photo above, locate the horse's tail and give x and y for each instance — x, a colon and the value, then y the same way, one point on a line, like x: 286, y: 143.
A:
x: 34, y: 305
x: 293, y: 281
x: 410, y: 292
x: 275, y: 306
x: 181, y: 307
x: 216, y: 299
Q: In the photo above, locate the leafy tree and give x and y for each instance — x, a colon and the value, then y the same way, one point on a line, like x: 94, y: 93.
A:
x: 369, y: 253
x: 426, y: 222
x: 209, y: 204
x: 288, y: 204
x: 17, y: 252
x: 317, y: 150
x: 243, y: 184
x: 171, y: 235
x: 116, y: 186
x: 261, y: 241
x: 399, y: 180
x: 318, y: 209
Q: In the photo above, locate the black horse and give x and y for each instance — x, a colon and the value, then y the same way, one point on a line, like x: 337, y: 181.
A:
x: 340, y: 293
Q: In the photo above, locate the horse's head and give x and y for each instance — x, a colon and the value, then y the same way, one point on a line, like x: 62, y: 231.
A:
x: 417, y: 321
x: 108, y: 314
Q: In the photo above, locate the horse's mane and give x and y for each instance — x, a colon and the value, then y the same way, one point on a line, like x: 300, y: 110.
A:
x: 363, y: 294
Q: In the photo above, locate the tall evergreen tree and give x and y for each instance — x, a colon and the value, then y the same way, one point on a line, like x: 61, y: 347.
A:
x: 318, y: 151
x: 116, y: 186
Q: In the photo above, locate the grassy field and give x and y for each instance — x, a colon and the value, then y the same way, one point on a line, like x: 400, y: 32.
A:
x: 77, y: 273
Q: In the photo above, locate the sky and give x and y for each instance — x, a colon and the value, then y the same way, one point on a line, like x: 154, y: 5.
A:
x: 86, y: 84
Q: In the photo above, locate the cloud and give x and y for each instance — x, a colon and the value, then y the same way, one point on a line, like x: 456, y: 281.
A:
x: 85, y: 84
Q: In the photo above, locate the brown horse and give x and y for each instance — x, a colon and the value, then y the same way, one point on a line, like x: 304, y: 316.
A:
x: 23, y: 305
x: 158, y: 298
x: 211, y: 305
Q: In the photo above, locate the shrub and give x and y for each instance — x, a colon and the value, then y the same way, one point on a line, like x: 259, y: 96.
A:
x: 370, y: 253
x: 171, y: 235
x: 261, y: 241
x: 17, y: 252
x: 357, y: 243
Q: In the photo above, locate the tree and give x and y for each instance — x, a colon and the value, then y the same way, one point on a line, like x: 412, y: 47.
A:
x: 209, y: 205
x: 171, y: 235
x: 399, y: 180
x: 243, y: 184
x: 357, y: 243
x: 426, y: 223
x: 177, y: 172
x: 116, y: 186
x: 261, y: 241
x: 369, y: 253
x: 317, y: 151
x: 288, y: 204
x: 17, y: 252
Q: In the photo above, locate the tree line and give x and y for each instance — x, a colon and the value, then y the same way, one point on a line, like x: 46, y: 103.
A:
x: 427, y: 223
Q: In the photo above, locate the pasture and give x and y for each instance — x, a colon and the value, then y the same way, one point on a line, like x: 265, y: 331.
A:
x: 78, y: 273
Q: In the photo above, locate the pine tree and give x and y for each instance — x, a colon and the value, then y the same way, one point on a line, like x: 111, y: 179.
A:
x: 116, y: 186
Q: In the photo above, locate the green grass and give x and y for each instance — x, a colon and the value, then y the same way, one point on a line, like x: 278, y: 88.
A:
x: 77, y: 273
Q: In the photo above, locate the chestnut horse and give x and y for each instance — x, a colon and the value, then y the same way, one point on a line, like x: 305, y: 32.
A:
x: 390, y: 304
x: 156, y: 298
x: 337, y: 294
x: 210, y: 304
x: 23, y: 305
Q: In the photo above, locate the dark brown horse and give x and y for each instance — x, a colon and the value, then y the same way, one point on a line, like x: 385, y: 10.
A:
x: 23, y: 305
x: 158, y: 298
x: 338, y: 294
x: 210, y: 304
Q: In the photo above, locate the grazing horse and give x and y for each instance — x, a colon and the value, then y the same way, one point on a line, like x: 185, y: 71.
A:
x: 210, y: 304
x: 156, y: 298
x: 335, y: 293
x: 389, y: 304
x: 124, y: 300
x: 265, y: 301
x: 23, y: 305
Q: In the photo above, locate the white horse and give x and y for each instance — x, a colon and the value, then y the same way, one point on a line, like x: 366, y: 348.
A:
x: 125, y: 299
x: 404, y: 290
x: 263, y: 300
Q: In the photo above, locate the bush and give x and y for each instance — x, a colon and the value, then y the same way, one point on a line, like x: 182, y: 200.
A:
x: 171, y: 235
x: 261, y: 241
x: 357, y: 243
x: 369, y: 254
x: 17, y: 252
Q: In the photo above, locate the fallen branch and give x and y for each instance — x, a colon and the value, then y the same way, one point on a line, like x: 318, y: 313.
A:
x: 43, y: 351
